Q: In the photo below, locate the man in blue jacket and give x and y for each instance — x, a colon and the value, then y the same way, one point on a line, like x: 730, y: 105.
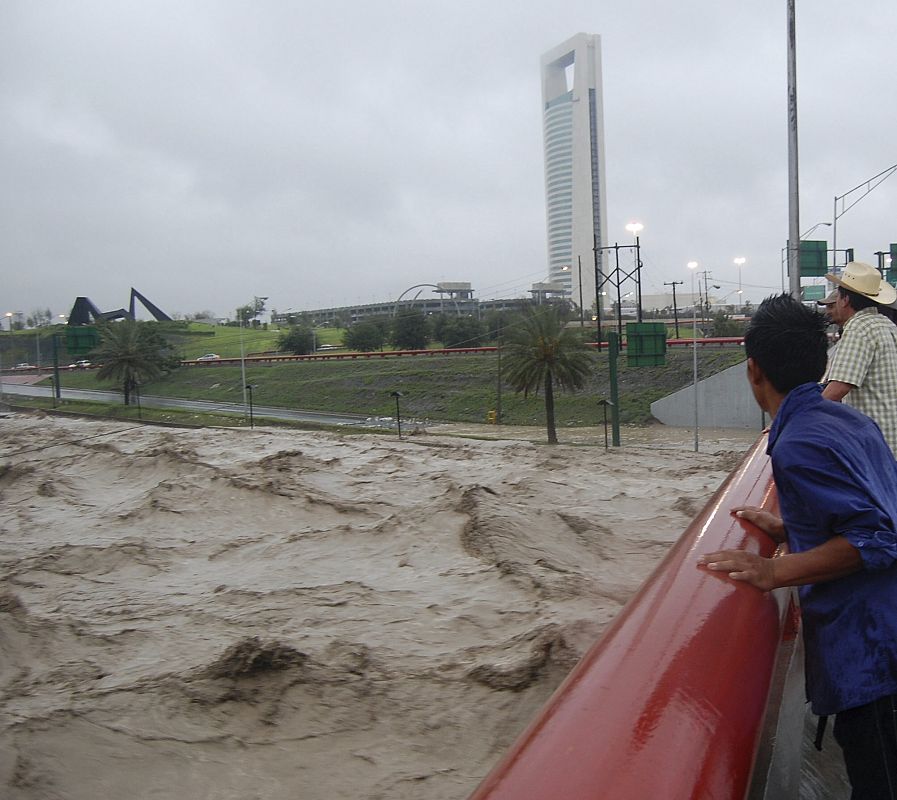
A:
x: 836, y: 481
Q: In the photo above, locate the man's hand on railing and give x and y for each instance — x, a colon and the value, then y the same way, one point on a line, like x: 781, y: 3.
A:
x: 750, y: 567
x: 767, y: 522
x: 743, y: 566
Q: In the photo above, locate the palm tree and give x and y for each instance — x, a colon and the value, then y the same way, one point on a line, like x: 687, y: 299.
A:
x: 130, y: 353
x: 540, y: 351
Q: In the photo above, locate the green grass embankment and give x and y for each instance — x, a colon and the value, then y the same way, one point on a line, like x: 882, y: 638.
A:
x: 461, y: 388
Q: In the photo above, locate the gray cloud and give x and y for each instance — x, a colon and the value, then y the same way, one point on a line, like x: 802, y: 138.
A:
x: 321, y: 154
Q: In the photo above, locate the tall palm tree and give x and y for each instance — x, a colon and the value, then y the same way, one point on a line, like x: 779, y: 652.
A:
x: 130, y: 353
x: 540, y: 351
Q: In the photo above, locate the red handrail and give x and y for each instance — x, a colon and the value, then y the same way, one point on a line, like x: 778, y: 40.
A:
x: 670, y: 702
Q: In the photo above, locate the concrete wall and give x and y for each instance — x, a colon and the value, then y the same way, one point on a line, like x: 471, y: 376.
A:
x: 724, y: 401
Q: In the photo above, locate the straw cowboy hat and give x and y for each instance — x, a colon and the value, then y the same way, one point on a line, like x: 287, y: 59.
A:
x: 864, y: 279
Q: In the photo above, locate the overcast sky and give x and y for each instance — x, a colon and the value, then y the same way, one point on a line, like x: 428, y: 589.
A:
x: 335, y: 152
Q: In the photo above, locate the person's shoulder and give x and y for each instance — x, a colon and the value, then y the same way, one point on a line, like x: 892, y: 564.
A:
x: 809, y: 430
x: 795, y: 455
x: 879, y: 329
x: 821, y: 424
x: 870, y: 318
x: 881, y: 322
x: 862, y: 319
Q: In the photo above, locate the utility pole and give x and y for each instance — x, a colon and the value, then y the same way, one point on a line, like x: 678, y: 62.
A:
x: 705, y: 300
x: 674, y: 284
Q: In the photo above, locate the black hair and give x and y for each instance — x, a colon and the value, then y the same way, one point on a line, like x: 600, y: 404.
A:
x: 857, y: 301
x: 788, y: 342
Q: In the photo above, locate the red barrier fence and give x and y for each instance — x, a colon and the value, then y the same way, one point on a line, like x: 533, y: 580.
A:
x: 670, y: 703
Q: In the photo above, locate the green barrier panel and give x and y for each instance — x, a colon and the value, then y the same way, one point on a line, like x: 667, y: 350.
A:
x: 646, y: 344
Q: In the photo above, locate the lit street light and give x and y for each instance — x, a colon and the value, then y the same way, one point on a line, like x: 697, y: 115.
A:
x: 635, y: 228
x: 740, y: 263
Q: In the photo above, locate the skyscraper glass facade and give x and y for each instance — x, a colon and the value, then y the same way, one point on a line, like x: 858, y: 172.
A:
x: 573, y: 130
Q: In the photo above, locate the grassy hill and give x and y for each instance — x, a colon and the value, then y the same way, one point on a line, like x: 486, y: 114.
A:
x: 462, y: 388
x: 191, y: 339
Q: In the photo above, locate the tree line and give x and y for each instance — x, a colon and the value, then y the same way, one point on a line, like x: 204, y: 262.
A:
x: 408, y: 330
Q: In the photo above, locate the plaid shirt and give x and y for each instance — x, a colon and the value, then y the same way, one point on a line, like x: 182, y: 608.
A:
x: 866, y: 358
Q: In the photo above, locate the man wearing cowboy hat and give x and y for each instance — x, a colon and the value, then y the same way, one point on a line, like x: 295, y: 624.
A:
x: 863, y: 370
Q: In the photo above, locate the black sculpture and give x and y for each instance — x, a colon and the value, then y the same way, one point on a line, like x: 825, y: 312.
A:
x: 84, y: 312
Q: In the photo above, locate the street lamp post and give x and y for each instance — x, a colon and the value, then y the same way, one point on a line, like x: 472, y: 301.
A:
x: 57, y: 386
x: 582, y: 318
x: 693, y: 265
x: 739, y: 262
x: 806, y: 233
x: 397, y: 395
x: 248, y: 387
x: 635, y: 228
x: 869, y: 185
x: 803, y: 236
x: 242, y: 362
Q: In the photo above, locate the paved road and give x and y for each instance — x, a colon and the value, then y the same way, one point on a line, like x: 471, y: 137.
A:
x: 319, y: 417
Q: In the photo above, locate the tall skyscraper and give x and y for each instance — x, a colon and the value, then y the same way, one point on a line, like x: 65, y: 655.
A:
x: 573, y: 126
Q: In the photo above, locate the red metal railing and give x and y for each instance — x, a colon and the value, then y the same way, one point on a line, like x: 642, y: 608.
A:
x: 670, y: 702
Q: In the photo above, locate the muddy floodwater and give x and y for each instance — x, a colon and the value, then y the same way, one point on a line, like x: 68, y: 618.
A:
x: 279, y: 614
